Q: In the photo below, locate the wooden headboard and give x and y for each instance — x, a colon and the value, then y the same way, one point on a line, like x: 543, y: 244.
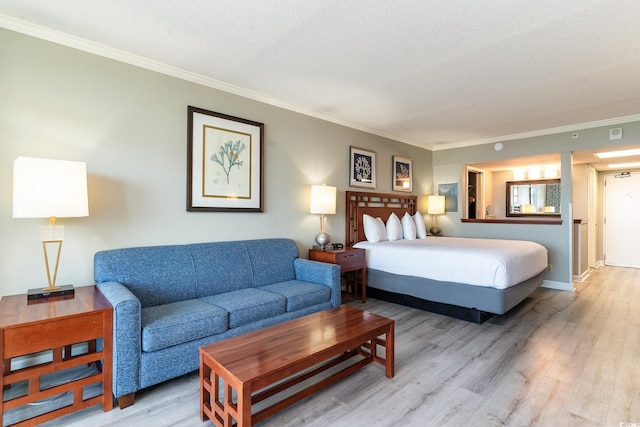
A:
x: 374, y: 204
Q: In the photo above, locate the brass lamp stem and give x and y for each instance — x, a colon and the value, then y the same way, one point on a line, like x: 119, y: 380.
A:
x: 52, y: 283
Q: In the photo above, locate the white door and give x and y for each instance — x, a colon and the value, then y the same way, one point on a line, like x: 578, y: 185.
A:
x: 621, y: 225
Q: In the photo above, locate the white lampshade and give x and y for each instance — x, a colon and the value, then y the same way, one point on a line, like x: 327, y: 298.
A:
x: 44, y: 188
x: 323, y: 199
x: 435, y: 205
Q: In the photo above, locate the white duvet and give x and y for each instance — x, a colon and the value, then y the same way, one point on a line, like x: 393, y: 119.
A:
x: 482, y: 262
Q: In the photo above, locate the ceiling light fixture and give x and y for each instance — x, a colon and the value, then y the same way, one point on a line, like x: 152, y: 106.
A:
x: 622, y: 153
x: 624, y: 165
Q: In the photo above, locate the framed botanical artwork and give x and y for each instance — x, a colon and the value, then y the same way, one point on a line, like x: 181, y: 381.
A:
x: 402, y: 174
x: 362, y: 168
x: 224, y: 163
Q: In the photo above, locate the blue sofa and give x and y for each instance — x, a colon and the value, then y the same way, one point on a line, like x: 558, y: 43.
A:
x: 170, y: 300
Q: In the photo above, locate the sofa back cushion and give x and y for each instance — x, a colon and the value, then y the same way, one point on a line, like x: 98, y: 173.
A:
x: 165, y: 274
x: 272, y: 260
x: 155, y: 275
x: 221, y: 267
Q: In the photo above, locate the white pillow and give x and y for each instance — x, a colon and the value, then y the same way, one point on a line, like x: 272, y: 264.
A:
x: 374, y: 229
x: 408, y: 227
x: 394, y: 228
x: 421, y: 230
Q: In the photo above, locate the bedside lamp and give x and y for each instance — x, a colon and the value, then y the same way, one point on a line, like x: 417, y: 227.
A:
x: 323, y: 202
x: 44, y: 188
x: 435, y: 207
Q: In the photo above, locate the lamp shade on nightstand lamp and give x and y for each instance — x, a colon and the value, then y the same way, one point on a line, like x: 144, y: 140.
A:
x: 435, y: 207
x: 44, y: 188
x: 323, y: 202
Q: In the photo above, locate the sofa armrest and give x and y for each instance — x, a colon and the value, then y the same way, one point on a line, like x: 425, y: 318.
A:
x: 127, y: 337
x: 320, y: 272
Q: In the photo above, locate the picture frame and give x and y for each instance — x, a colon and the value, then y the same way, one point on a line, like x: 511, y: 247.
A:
x: 362, y: 167
x: 224, y: 163
x: 402, y: 170
x: 450, y: 193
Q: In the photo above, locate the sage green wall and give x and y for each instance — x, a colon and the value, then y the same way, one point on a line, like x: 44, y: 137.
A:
x: 130, y: 126
x: 448, y: 164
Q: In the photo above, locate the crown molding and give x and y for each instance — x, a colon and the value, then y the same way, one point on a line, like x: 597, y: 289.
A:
x: 85, y: 45
x: 541, y: 132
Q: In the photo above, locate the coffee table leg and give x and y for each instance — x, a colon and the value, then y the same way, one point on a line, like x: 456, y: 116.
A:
x: 205, y: 395
x: 389, y: 346
x: 244, y: 406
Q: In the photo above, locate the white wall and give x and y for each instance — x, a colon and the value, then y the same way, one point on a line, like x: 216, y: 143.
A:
x: 130, y: 126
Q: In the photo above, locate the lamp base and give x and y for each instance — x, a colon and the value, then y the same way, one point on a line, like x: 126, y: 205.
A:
x: 40, y: 293
x: 323, y: 240
x: 435, y: 230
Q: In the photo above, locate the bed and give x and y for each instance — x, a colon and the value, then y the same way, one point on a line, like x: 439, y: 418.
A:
x: 466, y: 278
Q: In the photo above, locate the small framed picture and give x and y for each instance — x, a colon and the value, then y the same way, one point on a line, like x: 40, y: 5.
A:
x: 450, y: 193
x: 363, y: 168
x: 402, y: 174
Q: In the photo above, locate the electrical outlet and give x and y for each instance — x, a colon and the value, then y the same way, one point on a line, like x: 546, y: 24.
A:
x: 550, y: 267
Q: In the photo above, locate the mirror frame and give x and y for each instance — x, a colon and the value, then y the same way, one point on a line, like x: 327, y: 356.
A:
x: 510, y: 184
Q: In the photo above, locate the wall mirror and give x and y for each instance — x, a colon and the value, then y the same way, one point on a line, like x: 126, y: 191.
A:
x: 533, y: 198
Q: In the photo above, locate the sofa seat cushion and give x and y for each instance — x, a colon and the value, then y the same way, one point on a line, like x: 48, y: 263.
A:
x: 248, y: 305
x: 179, y: 322
x: 300, y: 294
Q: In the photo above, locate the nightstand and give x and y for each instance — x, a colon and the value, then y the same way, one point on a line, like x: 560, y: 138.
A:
x: 348, y: 260
x: 67, y: 329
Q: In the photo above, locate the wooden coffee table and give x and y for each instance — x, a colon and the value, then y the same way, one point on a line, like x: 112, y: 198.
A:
x: 240, y: 371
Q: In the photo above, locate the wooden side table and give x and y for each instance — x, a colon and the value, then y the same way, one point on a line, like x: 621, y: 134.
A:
x: 54, y: 325
x: 349, y: 260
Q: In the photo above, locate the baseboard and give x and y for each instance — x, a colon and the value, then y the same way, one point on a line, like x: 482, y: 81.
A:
x: 561, y: 286
x: 582, y: 277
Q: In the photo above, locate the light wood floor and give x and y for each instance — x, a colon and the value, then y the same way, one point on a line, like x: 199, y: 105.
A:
x: 558, y: 359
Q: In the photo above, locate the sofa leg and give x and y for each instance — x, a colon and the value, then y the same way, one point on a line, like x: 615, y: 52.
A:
x: 126, y: 400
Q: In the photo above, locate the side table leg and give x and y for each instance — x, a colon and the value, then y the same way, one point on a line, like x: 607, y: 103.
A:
x: 6, y: 369
x: 364, y: 285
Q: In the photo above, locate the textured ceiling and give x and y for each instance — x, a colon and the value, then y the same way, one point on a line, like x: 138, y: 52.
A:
x: 435, y: 74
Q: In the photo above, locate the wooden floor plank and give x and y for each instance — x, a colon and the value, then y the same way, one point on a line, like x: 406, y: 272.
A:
x: 559, y: 358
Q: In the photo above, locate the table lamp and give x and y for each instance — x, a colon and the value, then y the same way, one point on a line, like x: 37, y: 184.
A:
x: 323, y: 202
x: 435, y: 207
x: 44, y: 188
